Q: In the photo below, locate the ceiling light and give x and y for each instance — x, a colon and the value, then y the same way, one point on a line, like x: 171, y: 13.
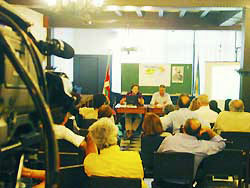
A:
x: 129, y: 8
x: 112, y: 8
x: 51, y: 2
x: 98, y: 3
x: 147, y: 8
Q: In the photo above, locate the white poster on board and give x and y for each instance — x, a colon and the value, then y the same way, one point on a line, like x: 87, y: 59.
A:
x: 154, y: 75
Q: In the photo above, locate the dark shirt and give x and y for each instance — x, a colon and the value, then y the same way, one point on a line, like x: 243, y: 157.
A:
x: 139, y: 94
x: 149, y: 144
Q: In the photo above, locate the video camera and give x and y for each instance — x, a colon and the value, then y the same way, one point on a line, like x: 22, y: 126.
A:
x: 25, y: 118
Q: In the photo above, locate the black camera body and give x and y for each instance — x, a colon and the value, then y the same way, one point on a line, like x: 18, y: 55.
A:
x: 16, y: 101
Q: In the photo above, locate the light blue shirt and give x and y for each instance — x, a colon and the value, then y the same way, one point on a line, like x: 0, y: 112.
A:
x: 162, y: 100
x: 177, y: 118
x: 181, y: 142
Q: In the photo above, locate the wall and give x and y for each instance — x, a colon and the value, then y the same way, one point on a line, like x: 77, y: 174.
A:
x: 36, y: 19
x: 153, y: 46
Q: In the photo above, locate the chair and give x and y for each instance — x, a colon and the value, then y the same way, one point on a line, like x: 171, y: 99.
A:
x: 225, y: 163
x: 174, y: 165
x: 113, y: 182
x: 240, y: 141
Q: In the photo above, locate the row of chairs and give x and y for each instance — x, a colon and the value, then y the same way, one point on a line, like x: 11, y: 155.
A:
x: 233, y: 161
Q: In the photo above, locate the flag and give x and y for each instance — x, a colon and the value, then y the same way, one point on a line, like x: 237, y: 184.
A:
x: 106, y: 85
x: 197, y: 80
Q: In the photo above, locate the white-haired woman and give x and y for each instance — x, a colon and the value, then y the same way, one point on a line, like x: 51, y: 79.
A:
x: 111, y: 161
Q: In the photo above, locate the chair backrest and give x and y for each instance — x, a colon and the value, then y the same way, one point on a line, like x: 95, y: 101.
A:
x: 174, y: 165
x: 237, y: 140
x: 113, y: 182
x: 225, y: 163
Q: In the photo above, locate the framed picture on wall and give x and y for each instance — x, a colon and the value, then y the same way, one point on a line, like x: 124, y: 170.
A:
x: 177, y: 74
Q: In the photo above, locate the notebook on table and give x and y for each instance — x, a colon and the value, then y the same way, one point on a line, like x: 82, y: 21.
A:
x: 132, y: 100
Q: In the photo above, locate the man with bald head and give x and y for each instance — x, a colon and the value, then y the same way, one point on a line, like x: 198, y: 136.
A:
x: 177, y: 118
x: 188, y: 142
x: 236, y: 120
x: 204, y: 111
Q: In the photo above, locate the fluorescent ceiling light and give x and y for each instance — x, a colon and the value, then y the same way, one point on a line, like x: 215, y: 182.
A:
x: 98, y: 3
x: 51, y: 2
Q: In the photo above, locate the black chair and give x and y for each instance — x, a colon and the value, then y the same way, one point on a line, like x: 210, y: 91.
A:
x: 225, y: 163
x: 174, y: 165
x: 113, y: 182
x: 240, y: 141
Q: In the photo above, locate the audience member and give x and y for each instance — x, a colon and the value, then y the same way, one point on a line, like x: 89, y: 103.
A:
x: 168, y: 108
x: 214, y: 106
x: 161, y: 98
x: 61, y: 132
x: 151, y: 139
x: 188, y: 142
x: 92, y: 113
x: 132, y: 121
x: 195, y: 104
x: 204, y: 111
x: 226, y: 107
x: 106, y: 111
x: 111, y: 161
x: 236, y: 120
x: 177, y: 118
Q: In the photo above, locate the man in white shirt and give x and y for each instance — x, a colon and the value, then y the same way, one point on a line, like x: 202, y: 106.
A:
x: 161, y: 98
x: 204, y: 111
x: 62, y: 132
x: 188, y: 142
x: 236, y: 120
x: 177, y: 118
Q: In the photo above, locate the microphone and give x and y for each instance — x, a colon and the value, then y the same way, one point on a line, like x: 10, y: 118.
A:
x: 56, y: 47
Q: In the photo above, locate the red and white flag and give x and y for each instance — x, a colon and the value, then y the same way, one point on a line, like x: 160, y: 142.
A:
x: 106, y: 86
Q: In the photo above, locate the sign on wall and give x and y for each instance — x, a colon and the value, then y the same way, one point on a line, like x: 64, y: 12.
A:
x: 154, y: 75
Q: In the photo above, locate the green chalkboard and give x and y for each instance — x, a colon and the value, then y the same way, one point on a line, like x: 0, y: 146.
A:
x: 130, y: 75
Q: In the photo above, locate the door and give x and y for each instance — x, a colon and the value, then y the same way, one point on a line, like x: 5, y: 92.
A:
x: 89, y: 72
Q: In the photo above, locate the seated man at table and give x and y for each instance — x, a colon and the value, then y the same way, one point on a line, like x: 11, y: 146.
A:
x: 178, y: 117
x: 236, y: 120
x: 188, y: 142
x: 132, y: 121
x: 161, y: 98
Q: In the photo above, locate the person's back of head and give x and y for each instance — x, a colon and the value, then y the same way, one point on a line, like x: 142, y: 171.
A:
x: 105, y: 111
x: 183, y: 101
x: 58, y: 115
x: 236, y: 106
x: 227, y: 101
x: 192, y: 127
x: 99, y: 100
x: 203, y: 100
x: 168, y: 108
x: 194, y: 105
x: 213, y: 105
x: 104, y: 133
x: 152, y: 125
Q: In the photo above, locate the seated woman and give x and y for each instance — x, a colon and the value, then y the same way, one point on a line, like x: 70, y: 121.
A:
x: 110, y: 161
x: 106, y: 111
x: 132, y: 121
x: 151, y: 139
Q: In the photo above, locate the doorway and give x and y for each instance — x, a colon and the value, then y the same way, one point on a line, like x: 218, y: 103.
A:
x: 89, y: 72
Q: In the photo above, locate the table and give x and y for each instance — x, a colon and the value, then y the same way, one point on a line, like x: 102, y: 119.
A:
x: 155, y: 110
x: 123, y: 109
x: 131, y: 110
